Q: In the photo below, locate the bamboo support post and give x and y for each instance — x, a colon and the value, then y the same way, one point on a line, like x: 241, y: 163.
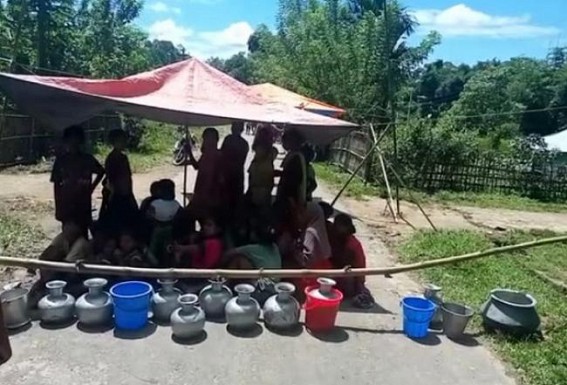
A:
x: 401, y: 182
x: 80, y: 268
x: 185, y: 165
x: 389, y: 199
x: 362, y: 162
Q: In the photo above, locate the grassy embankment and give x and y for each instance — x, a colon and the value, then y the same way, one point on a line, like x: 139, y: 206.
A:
x: 537, y: 271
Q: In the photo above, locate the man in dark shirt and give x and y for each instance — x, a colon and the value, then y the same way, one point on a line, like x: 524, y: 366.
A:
x: 234, y: 152
x: 72, y: 178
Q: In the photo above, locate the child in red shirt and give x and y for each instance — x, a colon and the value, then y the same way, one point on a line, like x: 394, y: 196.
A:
x: 206, y: 253
x: 348, y: 251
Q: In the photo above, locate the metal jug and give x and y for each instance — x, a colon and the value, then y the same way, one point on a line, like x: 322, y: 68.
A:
x: 433, y: 293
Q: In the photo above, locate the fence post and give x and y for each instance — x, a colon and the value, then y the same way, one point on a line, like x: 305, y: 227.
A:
x: 370, y: 147
x: 32, y: 134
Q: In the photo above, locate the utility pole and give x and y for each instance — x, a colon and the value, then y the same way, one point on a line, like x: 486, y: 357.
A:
x: 391, y: 98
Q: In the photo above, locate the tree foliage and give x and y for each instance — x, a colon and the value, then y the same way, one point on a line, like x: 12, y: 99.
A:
x: 84, y: 37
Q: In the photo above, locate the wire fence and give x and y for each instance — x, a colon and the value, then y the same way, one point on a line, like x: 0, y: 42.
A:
x: 544, y: 180
x: 24, y: 140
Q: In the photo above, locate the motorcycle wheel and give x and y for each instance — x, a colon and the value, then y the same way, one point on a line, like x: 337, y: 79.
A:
x: 178, y: 158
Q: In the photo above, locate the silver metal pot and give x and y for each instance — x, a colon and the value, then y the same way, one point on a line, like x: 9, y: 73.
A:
x: 243, y: 311
x: 57, y: 306
x: 95, y: 307
x: 281, y: 311
x: 188, y: 321
x: 15, y: 308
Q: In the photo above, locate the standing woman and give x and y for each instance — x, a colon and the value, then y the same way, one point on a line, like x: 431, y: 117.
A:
x: 261, y: 170
x: 72, y: 178
x: 207, y: 193
x: 292, y: 188
x: 121, y: 209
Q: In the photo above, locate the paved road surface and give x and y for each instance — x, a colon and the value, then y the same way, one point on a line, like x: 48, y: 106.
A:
x: 366, y: 348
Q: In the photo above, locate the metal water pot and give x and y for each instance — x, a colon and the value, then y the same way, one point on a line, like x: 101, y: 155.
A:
x: 242, y: 312
x: 165, y: 300
x: 214, y: 298
x: 57, y: 306
x: 281, y: 311
x: 15, y: 308
x: 433, y: 293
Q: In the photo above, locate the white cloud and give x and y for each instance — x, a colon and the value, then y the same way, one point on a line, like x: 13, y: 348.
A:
x: 162, y: 7
x: 461, y: 20
x: 222, y: 43
x: 168, y: 30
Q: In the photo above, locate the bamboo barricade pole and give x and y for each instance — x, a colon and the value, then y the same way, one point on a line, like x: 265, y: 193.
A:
x: 80, y: 268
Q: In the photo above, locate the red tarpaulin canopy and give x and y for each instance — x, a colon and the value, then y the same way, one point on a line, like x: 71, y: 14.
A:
x: 278, y: 94
x: 189, y: 92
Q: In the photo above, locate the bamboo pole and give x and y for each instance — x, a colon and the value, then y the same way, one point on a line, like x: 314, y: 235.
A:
x: 250, y: 274
x: 400, y: 181
x: 362, y: 162
x: 185, y: 165
x: 389, y: 199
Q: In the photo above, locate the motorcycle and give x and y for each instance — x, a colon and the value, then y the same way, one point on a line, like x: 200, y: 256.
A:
x: 181, y: 148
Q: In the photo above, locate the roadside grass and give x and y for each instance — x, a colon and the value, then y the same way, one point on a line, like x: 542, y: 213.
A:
x: 359, y: 190
x: 18, y: 238
x: 155, y: 148
x: 536, y: 362
x: 334, y: 176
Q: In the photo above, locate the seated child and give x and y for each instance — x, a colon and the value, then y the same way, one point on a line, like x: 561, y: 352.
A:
x: 164, y: 208
x: 206, y: 253
x: 154, y: 194
x: 104, y: 247
x: 162, y: 211
x: 130, y: 253
x: 348, y: 251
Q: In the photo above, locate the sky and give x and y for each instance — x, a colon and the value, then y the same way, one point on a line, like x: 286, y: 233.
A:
x: 471, y: 30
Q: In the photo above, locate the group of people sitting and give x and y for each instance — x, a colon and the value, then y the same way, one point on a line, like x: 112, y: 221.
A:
x: 223, y: 226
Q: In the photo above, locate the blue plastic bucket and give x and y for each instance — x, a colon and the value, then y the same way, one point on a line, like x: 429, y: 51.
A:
x: 417, y: 313
x: 131, y: 304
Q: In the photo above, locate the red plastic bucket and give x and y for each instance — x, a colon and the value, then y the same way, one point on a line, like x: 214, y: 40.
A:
x: 321, y: 314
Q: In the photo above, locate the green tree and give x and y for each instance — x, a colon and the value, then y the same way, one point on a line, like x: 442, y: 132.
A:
x: 341, y: 53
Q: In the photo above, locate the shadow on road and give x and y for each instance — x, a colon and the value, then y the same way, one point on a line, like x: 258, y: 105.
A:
x: 293, y: 332
x: 336, y: 335
x: 95, y: 329
x: 136, y: 334
x: 254, y: 332
x: 347, y: 307
x: 190, y: 341
x: 58, y: 325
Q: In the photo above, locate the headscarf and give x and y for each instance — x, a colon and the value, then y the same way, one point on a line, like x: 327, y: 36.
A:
x: 317, y: 230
